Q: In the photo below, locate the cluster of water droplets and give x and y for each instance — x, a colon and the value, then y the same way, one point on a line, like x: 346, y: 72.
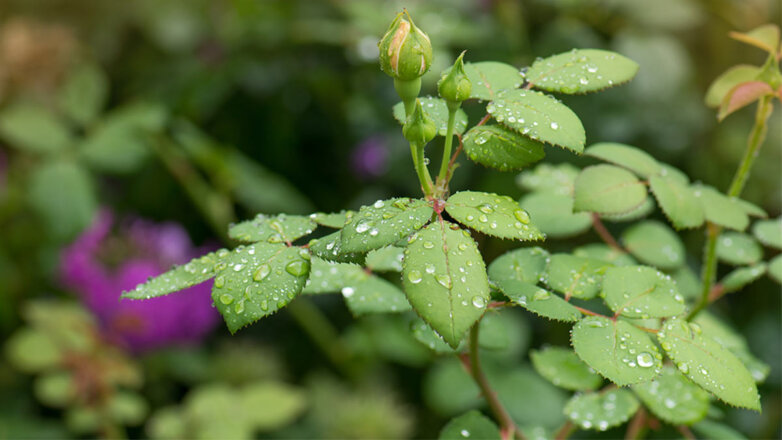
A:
x: 494, y: 215
x: 601, y: 411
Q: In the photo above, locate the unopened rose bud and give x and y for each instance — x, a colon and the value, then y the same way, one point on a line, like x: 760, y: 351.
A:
x: 405, y: 50
x: 455, y: 86
x: 419, y: 127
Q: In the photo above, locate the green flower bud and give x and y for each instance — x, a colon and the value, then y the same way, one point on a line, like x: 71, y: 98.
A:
x: 419, y: 127
x: 454, y: 86
x: 405, y: 50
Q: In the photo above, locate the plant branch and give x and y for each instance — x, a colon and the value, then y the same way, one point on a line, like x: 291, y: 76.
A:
x: 636, y: 427
x: 756, y: 138
x: 484, y: 120
x: 507, y: 425
x: 604, y: 234
x: 419, y: 162
x: 686, y: 432
x: 442, y: 177
x: 565, y: 431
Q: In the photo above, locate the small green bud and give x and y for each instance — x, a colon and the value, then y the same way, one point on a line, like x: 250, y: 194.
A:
x: 419, y: 127
x: 405, y: 50
x: 454, y: 86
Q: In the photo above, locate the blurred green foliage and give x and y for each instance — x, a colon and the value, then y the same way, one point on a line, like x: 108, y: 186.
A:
x: 206, y: 112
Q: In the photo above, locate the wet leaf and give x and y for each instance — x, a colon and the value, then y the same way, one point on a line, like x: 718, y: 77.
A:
x: 437, y: 110
x: 677, y: 202
x: 575, y: 276
x: 600, y: 411
x: 538, y: 300
x: 383, y: 223
x: 181, y: 277
x: 492, y: 214
x: 641, y: 292
x: 328, y: 277
x: 470, y: 425
x: 634, y: 159
x: 738, y: 278
x: 329, y: 248
x: 607, y: 189
x: 524, y: 264
x: 581, y: 71
x: 553, y: 214
x: 558, y: 179
x: 617, y: 350
x: 489, y: 77
x: 738, y: 249
x: 654, y: 243
x: 769, y: 232
x: 445, y: 279
x: 385, y: 259
x: 564, y: 369
x: 497, y: 147
x: 540, y: 117
x: 673, y: 398
x: 334, y: 220
x: 374, y: 295
x: 720, y: 209
x: 604, y: 252
x: 273, y: 229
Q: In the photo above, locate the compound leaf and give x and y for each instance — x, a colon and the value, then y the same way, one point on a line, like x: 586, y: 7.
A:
x: 581, y: 71
x: 673, y: 398
x: 575, y: 276
x: 641, y: 292
x: 437, y: 110
x: 600, y: 411
x: 445, y: 279
x: 181, y: 277
x: 383, y: 223
x: 564, y: 369
x: 538, y: 300
x: 470, y: 425
x: 492, y: 214
x: 607, y: 189
x: 275, y: 229
x: 654, y: 243
x: 540, y: 117
x: 738, y: 249
x: 497, y: 147
x: 385, y: 259
x: 259, y: 280
x: 677, y: 202
x: 707, y: 363
x: 634, y: 159
x: 617, y: 350
x: 334, y: 220
x: 329, y: 248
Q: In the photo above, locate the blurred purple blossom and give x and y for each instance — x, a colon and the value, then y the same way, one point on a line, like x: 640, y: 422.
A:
x: 369, y: 159
x: 111, y: 257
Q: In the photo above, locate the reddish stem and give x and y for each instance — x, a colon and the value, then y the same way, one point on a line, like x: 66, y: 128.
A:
x: 601, y: 230
x: 484, y: 120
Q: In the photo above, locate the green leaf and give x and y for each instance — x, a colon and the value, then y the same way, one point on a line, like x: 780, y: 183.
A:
x: 607, y: 189
x: 674, y: 173
x: 752, y: 209
x: 600, y: 411
x: 575, y: 276
x: 327, y: 276
x: 738, y: 278
x: 524, y: 264
x: 677, y: 201
x: 707, y: 363
x: 271, y: 405
x: 470, y: 425
x: 720, y: 209
x: 715, y: 430
x: 673, y: 398
x: 540, y: 117
x: 62, y: 193
x: 636, y: 214
x: 437, y: 110
x: 84, y: 93
x: 727, y: 81
x: 445, y: 279
x: 604, y: 252
x: 738, y: 249
x: 329, y: 248
x: 384, y: 223
x: 625, y: 156
x: 276, y: 229
x: 514, y: 388
x: 581, y: 71
x: 769, y: 232
x: 733, y: 341
x: 558, y: 179
x: 113, y: 147
x: 448, y: 389
x: 564, y: 369
x: 181, y: 277
x: 765, y: 37
x: 641, y: 292
x: 335, y: 220
x: 259, y: 280
x: 385, y: 259
x: 654, y: 243
x: 489, y: 77
x: 374, y: 295
x: 493, y: 335
x: 553, y: 214
x: 617, y: 350
x: 33, y: 129
x: 687, y: 282
x: 56, y: 389
x: 32, y: 351
x: 775, y: 268
x: 495, y: 146
x: 538, y: 300
x: 491, y: 214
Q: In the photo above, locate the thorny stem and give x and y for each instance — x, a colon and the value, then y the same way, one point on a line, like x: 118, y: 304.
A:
x: 507, y: 425
x: 756, y: 138
x: 603, y: 232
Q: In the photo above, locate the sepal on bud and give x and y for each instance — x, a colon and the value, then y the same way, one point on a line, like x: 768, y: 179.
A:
x: 455, y: 86
x: 405, y: 50
x: 419, y: 127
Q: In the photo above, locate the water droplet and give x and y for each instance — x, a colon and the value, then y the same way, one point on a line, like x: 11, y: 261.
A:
x: 297, y: 268
x: 220, y: 281
x: 464, y: 433
x: 521, y: 216
x: 414, y: 276
x: 645, y: 360
x: 362, y: 227
x: 443, y: 280
x: 554, y: 126
x: 347, y: 292
x: 429, y: 268
x: 479, y: 301
x: 486, y: 208
x: 428, y: 245
x: 226, y: 299
x: 541, y: 295
x: 262, y: 272
x: 239, y: 307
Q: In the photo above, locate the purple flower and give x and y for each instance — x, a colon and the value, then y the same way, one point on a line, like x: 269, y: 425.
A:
x: 370, y: 158
x: 111, y: 257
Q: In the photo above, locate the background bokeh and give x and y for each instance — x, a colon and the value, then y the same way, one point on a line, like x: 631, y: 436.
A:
x: 133, y: 132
